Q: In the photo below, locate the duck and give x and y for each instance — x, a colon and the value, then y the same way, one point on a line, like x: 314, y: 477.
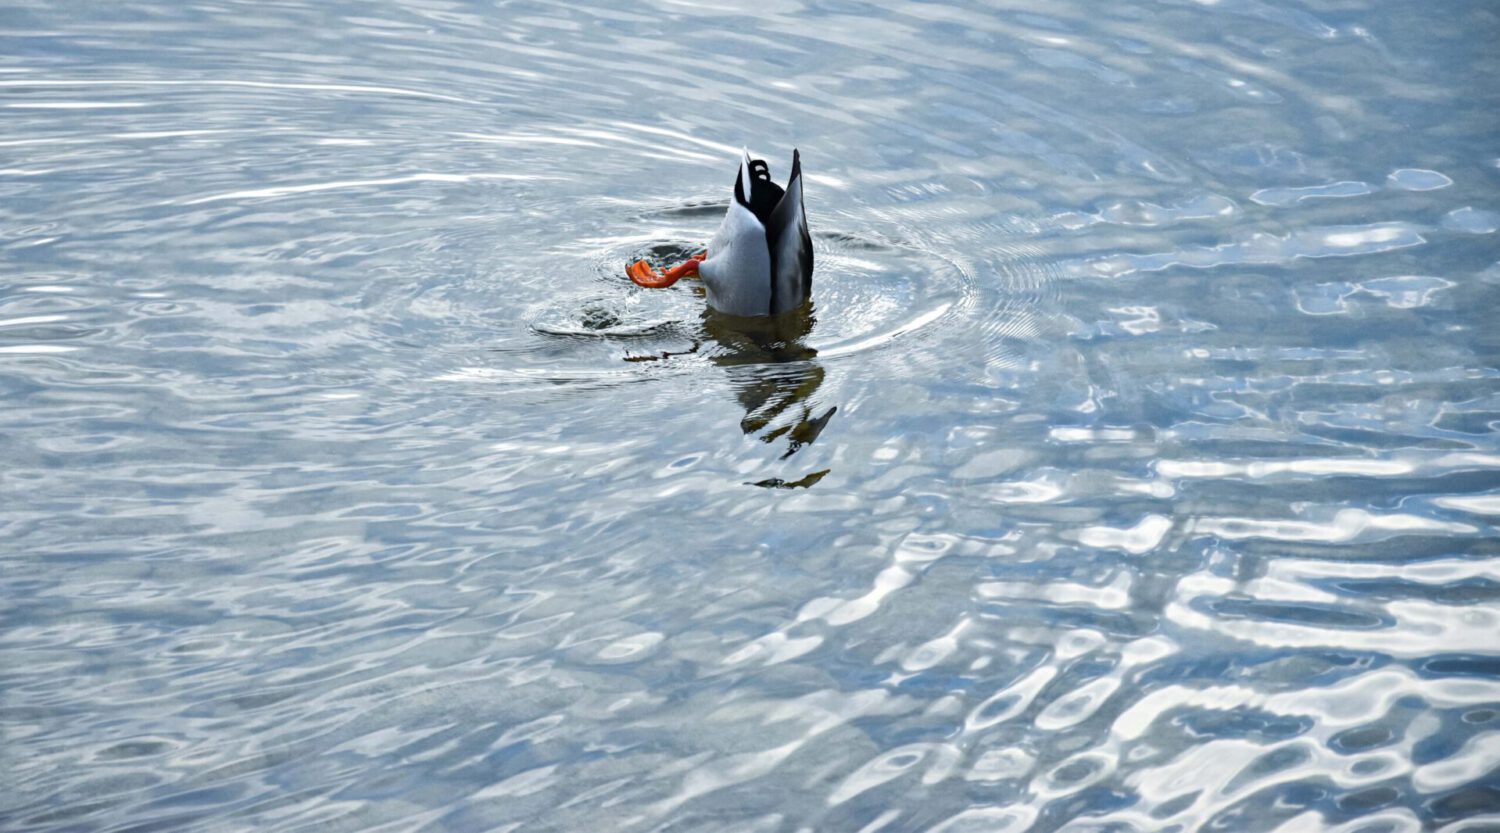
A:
x: 760, y: 261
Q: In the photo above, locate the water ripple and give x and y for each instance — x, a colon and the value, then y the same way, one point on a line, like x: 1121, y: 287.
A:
x: 1133, y: 470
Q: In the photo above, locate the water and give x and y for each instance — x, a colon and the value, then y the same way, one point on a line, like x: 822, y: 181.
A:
x: 1136, y: 469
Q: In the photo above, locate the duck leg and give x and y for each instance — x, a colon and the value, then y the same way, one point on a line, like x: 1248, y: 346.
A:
x: 643, y: 275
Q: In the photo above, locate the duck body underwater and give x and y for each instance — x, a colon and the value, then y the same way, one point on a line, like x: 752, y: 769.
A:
x: 760, y: 261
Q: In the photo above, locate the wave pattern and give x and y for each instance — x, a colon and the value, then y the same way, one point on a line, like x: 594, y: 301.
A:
x: 1136, y: 469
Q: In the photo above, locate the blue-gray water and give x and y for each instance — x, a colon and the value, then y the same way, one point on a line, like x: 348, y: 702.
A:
x: 1138, y: 472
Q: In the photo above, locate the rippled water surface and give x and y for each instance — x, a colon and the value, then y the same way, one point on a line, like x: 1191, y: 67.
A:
x: 1135, y: 470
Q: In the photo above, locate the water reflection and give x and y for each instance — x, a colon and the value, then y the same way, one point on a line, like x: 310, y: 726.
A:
x: 774, y: 373
x: 775, y: 376
x: 1172, y: 503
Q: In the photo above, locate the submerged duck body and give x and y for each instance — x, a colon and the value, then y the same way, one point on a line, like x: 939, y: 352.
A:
x: 760, y: 261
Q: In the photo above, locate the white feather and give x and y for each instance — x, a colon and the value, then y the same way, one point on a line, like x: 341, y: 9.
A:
x: 738, y: 270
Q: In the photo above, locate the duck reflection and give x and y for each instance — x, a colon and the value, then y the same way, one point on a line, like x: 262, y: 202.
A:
x: 774, y: 374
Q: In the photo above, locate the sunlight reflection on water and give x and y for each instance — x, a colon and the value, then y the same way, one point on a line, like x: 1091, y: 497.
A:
x: 1134, y: 467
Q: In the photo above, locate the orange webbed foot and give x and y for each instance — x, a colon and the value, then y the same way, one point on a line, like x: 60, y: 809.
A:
x: 642, y: 274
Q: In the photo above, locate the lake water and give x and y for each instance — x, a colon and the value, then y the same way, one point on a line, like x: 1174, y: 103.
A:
x: 1136, y: 470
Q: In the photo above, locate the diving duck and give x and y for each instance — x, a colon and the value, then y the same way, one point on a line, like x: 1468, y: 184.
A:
x: 760, y: 261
